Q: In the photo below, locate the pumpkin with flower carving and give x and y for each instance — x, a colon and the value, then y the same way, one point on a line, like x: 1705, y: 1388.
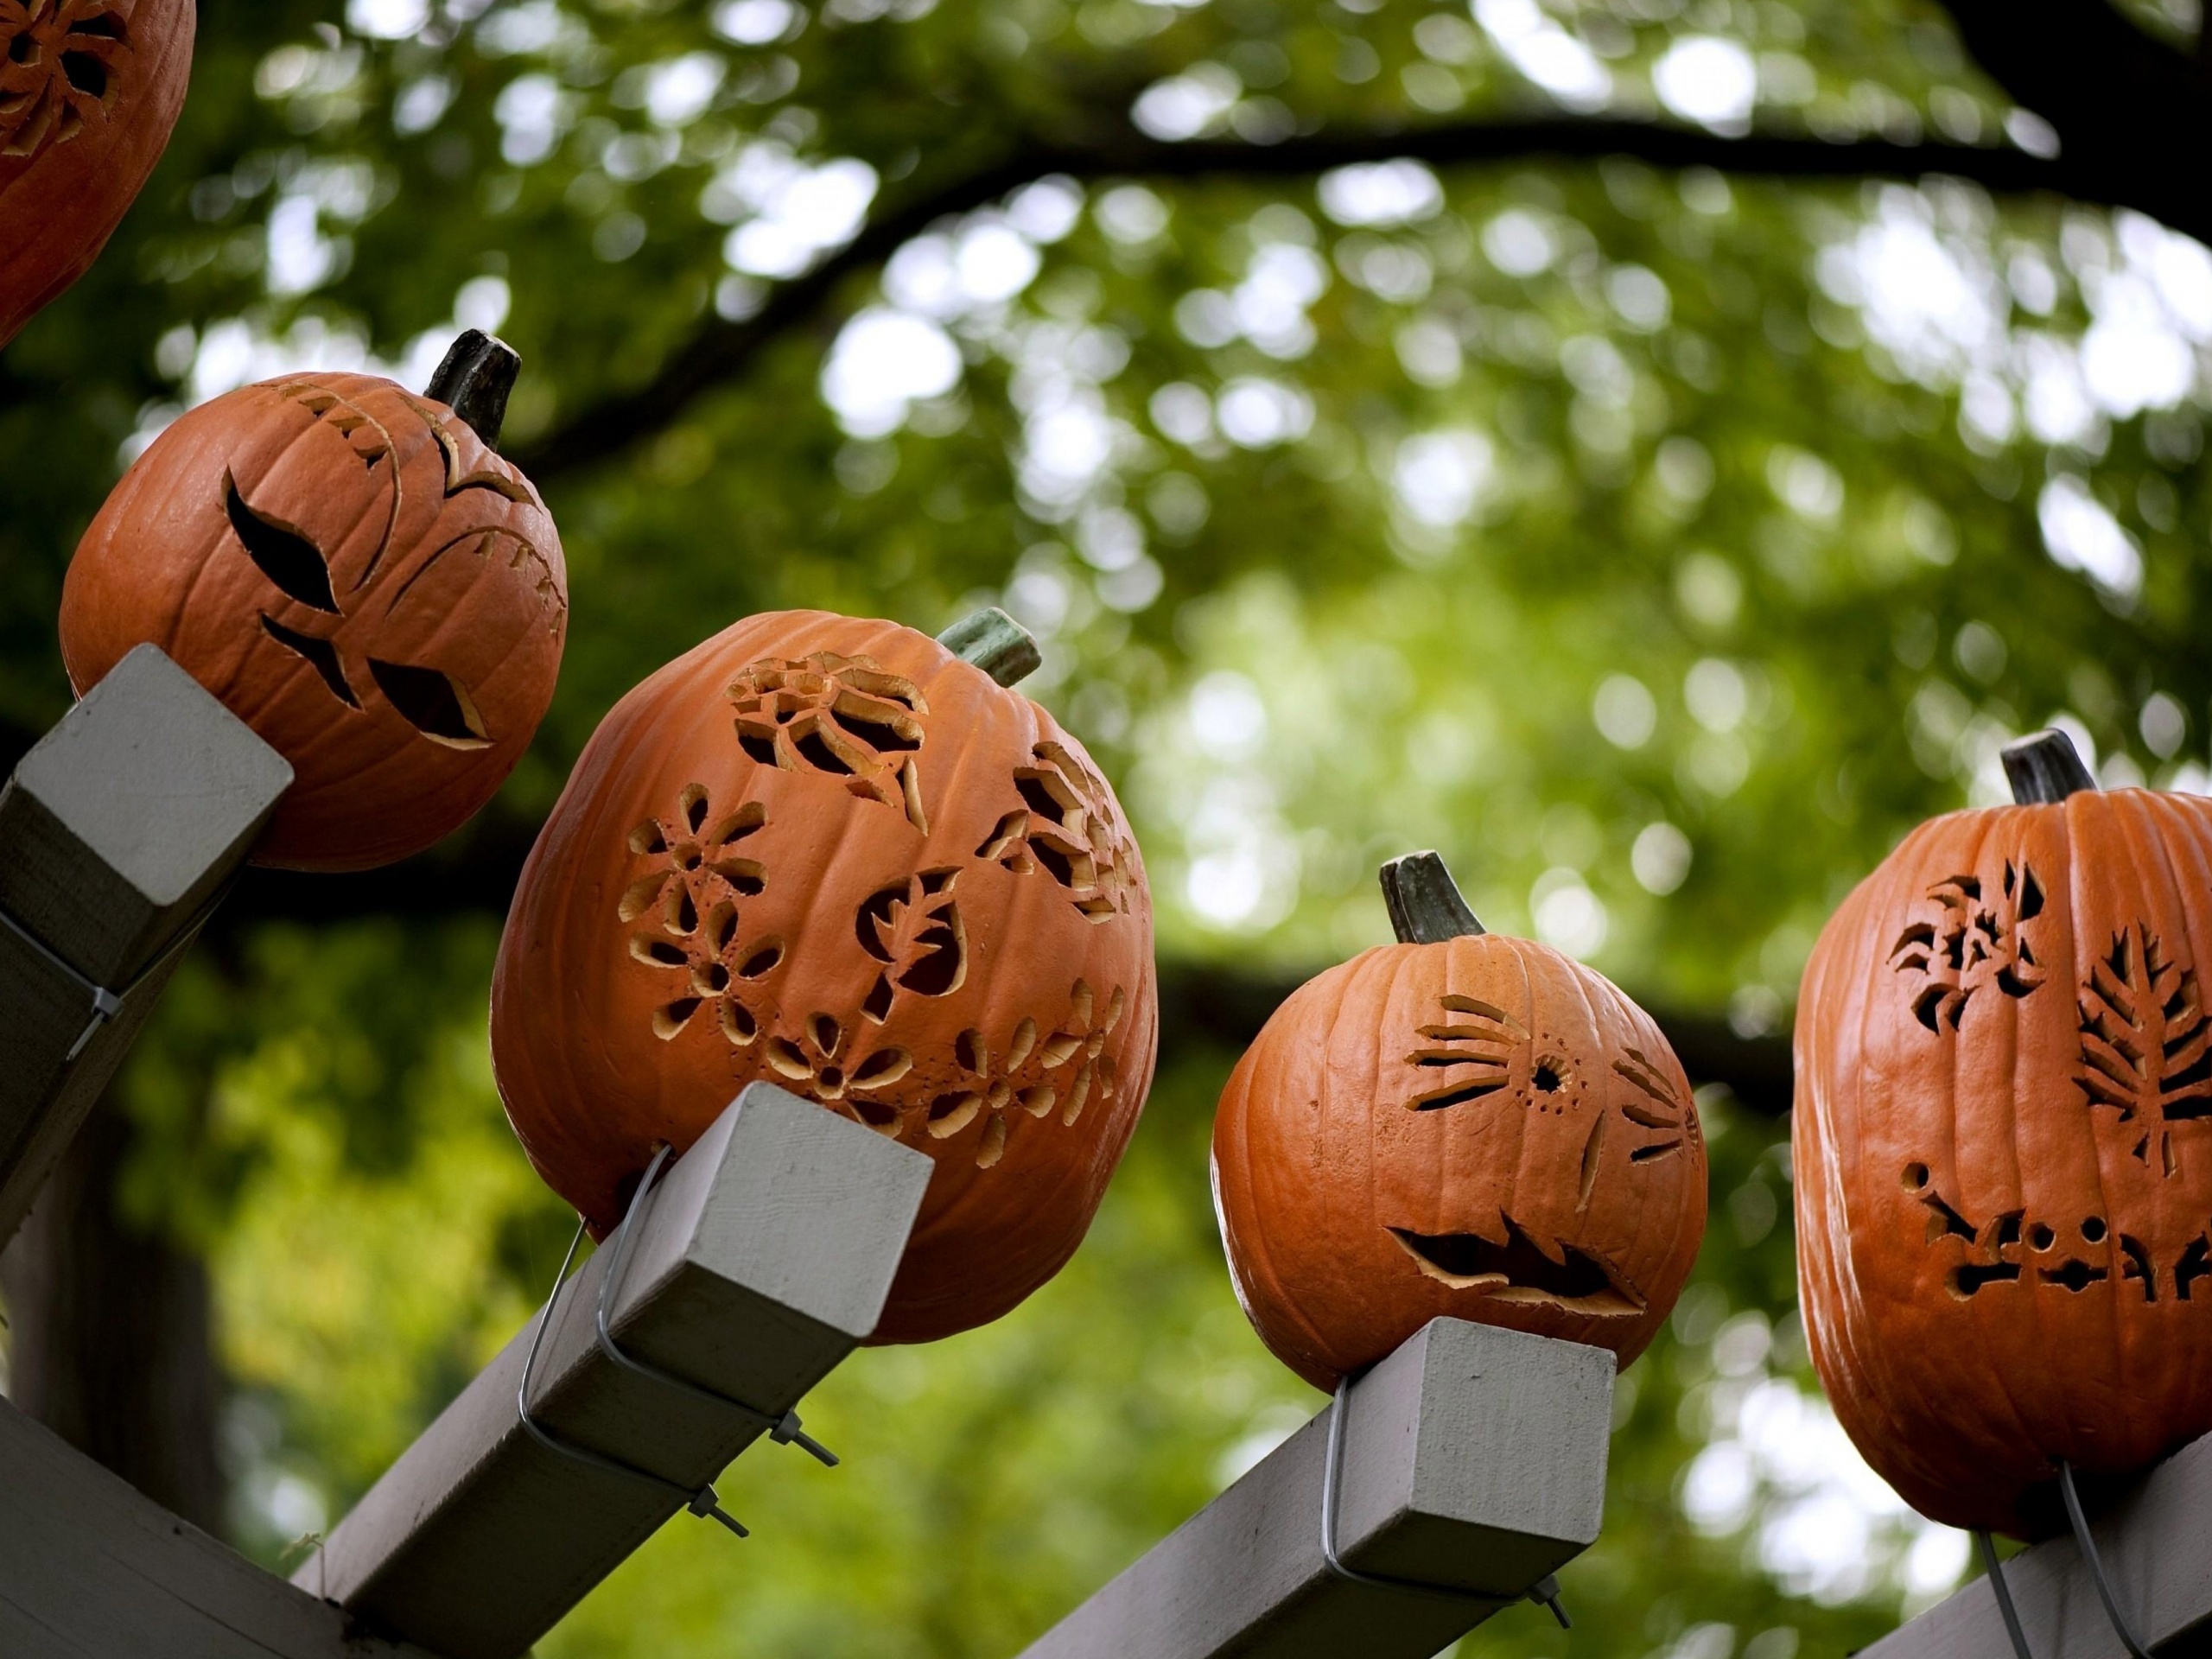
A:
x: 836, y: 855
x: 89, y: 90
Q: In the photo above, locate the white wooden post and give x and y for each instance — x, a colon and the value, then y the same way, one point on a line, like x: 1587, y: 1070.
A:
x: 115, y: 832
x: 764, y: 1257
x: 2156, y: 1545
x: 89, y: 1569
x: 1474, y: 1458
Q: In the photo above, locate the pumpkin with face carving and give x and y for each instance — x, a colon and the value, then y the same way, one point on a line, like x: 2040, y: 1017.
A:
x: 1459, y: 1125
x: 89, y: 90
x: 833, y: 855
x: 2003, y: 1146
x: 358, y: 575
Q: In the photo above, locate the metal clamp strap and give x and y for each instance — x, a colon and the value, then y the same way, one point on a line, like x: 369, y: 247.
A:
x: 704, y: 1503
x: 2088, y: 1546
x: 1544, y: 1591
x: 106, y: 1004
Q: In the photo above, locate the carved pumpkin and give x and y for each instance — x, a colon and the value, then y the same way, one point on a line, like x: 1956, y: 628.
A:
x: 1459, y: 1124
x: 359, y: 577
x: 89, y: 90
x: 2003, y: 1146
x: 832, y: 855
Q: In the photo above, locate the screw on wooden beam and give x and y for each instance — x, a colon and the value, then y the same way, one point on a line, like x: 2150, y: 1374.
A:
x: 1426, y: 905
x: 763, y: 1259
x: 475, y: 381
x: 996, y: 642
x: 2044, y: 768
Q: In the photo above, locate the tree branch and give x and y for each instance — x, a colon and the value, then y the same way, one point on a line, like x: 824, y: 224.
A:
x: 1203, y: 1005
x: 2129, y: 110
x: 721, y: 351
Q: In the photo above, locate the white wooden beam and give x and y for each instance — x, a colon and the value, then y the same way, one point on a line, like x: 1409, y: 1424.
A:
x: 2156, y: 1545
x: 115, y: 832
x: 89, y: 1569
x: 763, y: 1257
x: 1474, y: 1458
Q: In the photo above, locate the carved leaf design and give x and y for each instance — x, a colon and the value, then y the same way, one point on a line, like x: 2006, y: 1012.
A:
x: 1067, y: 827
x: 840, y: 716
x: 2146, y: 1045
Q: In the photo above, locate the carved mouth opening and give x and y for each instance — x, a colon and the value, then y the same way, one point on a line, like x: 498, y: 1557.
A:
x: 1521, y: 1270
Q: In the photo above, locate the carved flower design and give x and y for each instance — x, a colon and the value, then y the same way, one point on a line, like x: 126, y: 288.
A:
x: 58, y: 70
x: 686, y: 909
x: 1067, y: 1069
x: 1067, y: 828
x: 842, y: 716
x: 817, y: 1064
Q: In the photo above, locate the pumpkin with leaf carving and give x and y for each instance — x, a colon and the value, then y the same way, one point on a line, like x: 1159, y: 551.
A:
x: 89, y: 92
x: 1460, y: 1124
x: 2003, y: 1146
x: 834, y: 856
x: 358, y: 575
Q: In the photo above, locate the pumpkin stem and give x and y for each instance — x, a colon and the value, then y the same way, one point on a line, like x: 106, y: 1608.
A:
x: 2045, y: 768
x: 474, y: 380
x: 1425, y: 902
x: 996, y: 642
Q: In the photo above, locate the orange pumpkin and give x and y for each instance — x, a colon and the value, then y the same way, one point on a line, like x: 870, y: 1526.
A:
x: 834, y: 856
x: 359, y: 577
x: 1459, y: 1125
x: 2003, y: 1155
x: 89, y: 90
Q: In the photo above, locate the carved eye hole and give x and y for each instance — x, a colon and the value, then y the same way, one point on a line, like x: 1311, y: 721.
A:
x: 435, y: 704
x: 285, y: 557
x: 320, y: 655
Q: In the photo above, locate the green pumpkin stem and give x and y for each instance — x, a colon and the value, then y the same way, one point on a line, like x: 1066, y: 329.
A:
x: 474, y: 380
x: 996, y: 642
x: 1425, y: 902
x: 2045, y: 768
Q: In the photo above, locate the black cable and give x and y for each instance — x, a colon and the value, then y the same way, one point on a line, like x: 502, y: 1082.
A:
x: 1996, y: 1572
x: 2096, y: 1566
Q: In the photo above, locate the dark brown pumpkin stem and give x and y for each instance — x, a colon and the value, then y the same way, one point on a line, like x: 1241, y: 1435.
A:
x: 1425, y: 902
x: 996, y: 642
x: 474, y: 380
x: 2045, y: 768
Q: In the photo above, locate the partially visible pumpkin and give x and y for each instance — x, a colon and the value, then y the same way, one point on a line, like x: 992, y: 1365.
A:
x: 89, y: 90
x: 356, y: 574
x: 834, y: 856
x: 1459, y: 1124
x: 2003, y: 1146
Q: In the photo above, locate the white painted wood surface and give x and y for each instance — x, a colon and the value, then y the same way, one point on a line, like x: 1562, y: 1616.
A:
x: 2156, y: 1545
x: 89, y: 1569
x: 115, y: 830
x: 764, y: 1259
x: 1474, y: 1458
